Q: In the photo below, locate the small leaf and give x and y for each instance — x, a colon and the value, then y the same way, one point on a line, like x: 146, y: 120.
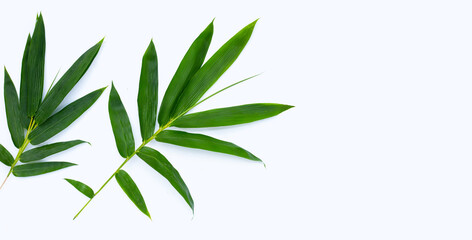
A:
x: 34, y: 169
x: 230, y: 115
x: 200, y: 141
x: 81, y: 187
x: 120, y: 124
x: 157, y: 161
x: 129, y: 187
x: 189, y: 65
x: 12, y: 108
x: 147, y: 94
x: 212, y: 70
x: 61, y: 120
x: 5, y: 156
x: 24, y: 83
x: 66, y: 83
x: 47, y: 150
x: 35, y: 68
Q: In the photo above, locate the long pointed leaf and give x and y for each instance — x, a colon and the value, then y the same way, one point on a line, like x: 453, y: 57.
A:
x: 189, y: 65
x: 81, y: 187
x: 24, y: 84
x: 129, y: 187
x: 230, y: 115
x: 120, y: 124
x: 47, y: 150
x: 157, y: 161
x: 61, y: 120
x: 34, y: 169
x: 147, y: 94
x: 200, y: 141
x: 212, y: 70
x: 5, y: 156
x: 12, y: 108
x: 35, y: 68
x: 66, y: 83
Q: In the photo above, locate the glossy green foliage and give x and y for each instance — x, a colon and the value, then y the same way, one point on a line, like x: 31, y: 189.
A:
x: 189, y: 65
x: 48, y: 150
x: 34, y: 169
x: 5, y: 156
x: 230, y: 115
x: 120, y: 124
x: 12, y: 108
x: 147, y: 93
x: 160, y: 163
x: 129, y: 187
x: 61, y: 120
x: 200, y: 141
x: 81, y: 187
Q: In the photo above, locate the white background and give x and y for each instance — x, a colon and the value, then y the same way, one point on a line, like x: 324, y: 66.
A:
x: 377, y: 147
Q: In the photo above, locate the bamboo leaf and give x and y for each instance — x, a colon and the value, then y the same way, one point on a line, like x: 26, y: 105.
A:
x: 200, y: 141
x: 24, y: 83
x: 5, y: 156
x: 157, y: 161
x: 129, y: 187
x: 212, y: 70
x: 230, y: 115
x: 147, y: 94
x: 47, y: 150
x: 61, y: 120
x: 81, y: 187
x: 65, y: 84
x: 12, y: 108
x: 34, y: 169
x: 120, y: 124
x: 35, y: 68
x: 189, y: 65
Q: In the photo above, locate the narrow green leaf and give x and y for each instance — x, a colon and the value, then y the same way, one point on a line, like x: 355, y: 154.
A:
x: 81, y: 187
x: 129, y: 187
x: 189, y: 65
x: 35, y: 68
x: 147, y: 94
x: 24, y: 84
x: 230, y: 115
x: 212, y: 70
x: 5, y: 156
x: 157, y: 161
x: 61, y: 120
x: 65, y: 84
x: 120, y: 124
x: 200, y: 141
x: 47, y: 150
x: 34, y: 169
x: 12, y: 108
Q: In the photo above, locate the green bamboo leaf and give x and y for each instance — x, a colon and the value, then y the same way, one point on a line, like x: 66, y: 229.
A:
x: 147, y: 94
x: 12, y: 108
x: 48, y: 150
x: 129, y: 187
x: 24, y: 83
x: 200, y: 141
x: 212, y: 70
x: 120, y: 124
x: 65, y: 84
x: 5, y: 156
x: 81, y: 187
x: 35, y: 68
x: 157, y: 161
x: 61, y: 120
x: 189, y: 65
x: 34, y: 169
x: 230, y: 115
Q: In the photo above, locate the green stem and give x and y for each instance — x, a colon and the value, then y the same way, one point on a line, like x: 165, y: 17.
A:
x: 31, y: 127
x: 123, y: 164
